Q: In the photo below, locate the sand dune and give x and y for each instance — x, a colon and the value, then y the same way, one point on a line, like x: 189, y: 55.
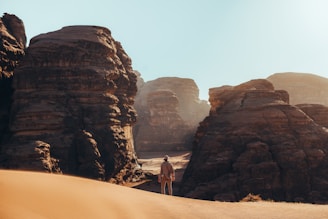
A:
x: 41, y: 195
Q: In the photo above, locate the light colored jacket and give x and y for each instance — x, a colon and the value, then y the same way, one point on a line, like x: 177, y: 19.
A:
x: 167, y: 170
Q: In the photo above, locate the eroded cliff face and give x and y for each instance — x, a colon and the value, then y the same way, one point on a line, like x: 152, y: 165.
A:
x: 12, y: 46
x: 74, y: 93
x: 169, y: 110
x: 303, y: 88
x: 253, y: 141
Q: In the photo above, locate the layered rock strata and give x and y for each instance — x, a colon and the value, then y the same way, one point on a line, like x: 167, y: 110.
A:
x: 74, y: 91
x: 253, y: 141
x: 169, y: 110
x: 12, y: 49
x: 317, y: 112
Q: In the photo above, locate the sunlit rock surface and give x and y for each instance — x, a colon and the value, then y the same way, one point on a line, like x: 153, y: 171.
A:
x: 317, y: 112
x: 169, y: 110
x: 303, y: 88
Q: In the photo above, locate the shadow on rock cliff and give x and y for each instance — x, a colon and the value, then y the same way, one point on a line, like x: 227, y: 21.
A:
x: 255, y: 142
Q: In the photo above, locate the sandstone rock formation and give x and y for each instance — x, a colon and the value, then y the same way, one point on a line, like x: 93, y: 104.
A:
x: 169, y: 111
x: 74, y: 94
x: 253, y: 141
x: 317, y: 112
x: 302, y: 87
x: 12, y: 46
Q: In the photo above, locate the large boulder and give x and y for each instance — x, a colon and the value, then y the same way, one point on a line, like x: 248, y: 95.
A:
x: 253, y: 141
x: 169, y: 110
x: 12, y: 50
x: 74, y: 91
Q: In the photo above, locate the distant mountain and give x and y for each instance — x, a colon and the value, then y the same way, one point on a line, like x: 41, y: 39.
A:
x: 302, y: 87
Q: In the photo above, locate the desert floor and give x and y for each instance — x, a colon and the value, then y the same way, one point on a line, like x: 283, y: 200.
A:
x: 41, y: 195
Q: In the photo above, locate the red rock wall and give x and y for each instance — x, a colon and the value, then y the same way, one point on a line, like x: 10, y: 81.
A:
x: 317, y: 112
x: 75, y: 91
x: 255, y: 142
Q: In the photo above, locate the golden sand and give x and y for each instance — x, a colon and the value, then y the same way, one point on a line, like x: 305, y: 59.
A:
x: 41, y: 195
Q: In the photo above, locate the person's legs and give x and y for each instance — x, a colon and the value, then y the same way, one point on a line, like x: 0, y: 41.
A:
x: 163, y: 184
x: 169, y: 185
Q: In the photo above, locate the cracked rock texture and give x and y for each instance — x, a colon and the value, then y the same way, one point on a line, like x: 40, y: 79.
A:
x: 254, y: 141
x: 12, y: 50
x: 73, y: 99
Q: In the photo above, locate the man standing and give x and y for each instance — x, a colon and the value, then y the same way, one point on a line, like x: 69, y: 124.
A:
x: 166, y: 175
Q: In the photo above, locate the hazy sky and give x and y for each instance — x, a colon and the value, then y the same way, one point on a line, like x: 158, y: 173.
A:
x: 214, y: 42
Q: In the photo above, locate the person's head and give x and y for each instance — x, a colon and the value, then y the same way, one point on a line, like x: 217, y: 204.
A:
x: 166, y: 157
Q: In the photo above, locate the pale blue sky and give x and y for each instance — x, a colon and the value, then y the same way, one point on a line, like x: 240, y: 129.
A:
x: 214, y: 42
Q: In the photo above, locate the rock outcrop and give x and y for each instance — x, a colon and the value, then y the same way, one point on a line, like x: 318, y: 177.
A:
x: 302, y: 87
x: 253, y: 141
x: 317, y: 112
x: 12, y: 49
x: 169, y: 110
x: 74, y: 94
